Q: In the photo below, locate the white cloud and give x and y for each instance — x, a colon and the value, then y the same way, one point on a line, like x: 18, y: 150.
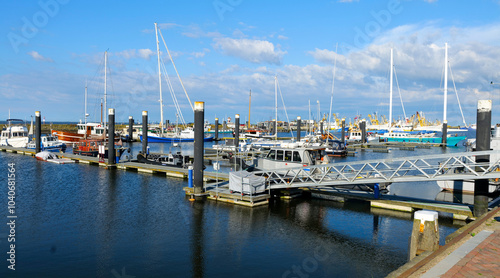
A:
x: 37, y: 56
x: 136, y: 53
x: 255, y: 51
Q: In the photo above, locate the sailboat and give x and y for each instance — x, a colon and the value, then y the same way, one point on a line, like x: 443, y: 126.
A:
x: 393, y: 136
x: 186, y: 135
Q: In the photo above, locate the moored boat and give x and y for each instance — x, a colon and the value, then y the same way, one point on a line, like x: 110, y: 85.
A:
x: 15, y: 134
x: 49, y: 143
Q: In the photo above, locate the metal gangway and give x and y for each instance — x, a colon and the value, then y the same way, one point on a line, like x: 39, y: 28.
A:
x: 454, y: 166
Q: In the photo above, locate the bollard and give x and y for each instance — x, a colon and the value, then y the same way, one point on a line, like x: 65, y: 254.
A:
x: 216, y: 135
x: 299, y: 122
x: 111, y: 136
x: 237, y: 131
x: 425, y: 233
x: 343, y: 130
x: 190, y: 176
x: 376, y: 191
x: 199, y: 118
x: 38, y: 132
x: 445, y: 134
x: 130, y: 128
x: 483, y: 138
x: 144, y: 132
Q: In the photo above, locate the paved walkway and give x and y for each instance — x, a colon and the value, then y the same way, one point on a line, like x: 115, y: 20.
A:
x: 479, y: 256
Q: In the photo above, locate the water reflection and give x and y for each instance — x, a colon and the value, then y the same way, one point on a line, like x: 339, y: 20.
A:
x: 197, y: 239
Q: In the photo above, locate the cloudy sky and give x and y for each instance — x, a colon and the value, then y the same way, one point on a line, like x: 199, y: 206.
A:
x: 224, y: 48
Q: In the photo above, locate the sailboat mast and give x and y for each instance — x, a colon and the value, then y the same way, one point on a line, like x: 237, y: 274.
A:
x: 445, y: 81
x: 390, y: 91
x: 85, y: 116
x: 276, y: 106
x: 159, y: 77
x: 249, y: 106
x: 105, y: 93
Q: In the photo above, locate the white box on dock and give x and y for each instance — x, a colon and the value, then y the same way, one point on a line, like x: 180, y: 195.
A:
x: 246, y: 182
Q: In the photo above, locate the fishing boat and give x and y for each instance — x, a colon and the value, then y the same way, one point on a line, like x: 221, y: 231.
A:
x: 90, y: 147
x: 451, y: 140
x: 15, y: 134
x: 49, y: 143
x: 186, y: 135
x: 336, y: 148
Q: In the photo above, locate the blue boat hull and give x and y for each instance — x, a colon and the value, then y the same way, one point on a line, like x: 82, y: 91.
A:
x: 450, y: 141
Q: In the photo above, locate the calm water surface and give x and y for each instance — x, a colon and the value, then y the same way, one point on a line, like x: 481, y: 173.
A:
x: 77, y: 220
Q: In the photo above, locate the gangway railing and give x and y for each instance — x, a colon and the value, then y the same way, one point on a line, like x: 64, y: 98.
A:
x: 455, y: 166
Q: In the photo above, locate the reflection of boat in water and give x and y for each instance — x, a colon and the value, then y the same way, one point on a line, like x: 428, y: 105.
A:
x: 49, y: 143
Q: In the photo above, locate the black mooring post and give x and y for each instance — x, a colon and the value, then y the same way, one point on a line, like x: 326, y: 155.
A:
x: 38, y: 132
x: 199, y: 118
x: 445, y: 133
x: 237, y: 130
x: 216, y: 135
x: 130, y: 128
x: 483, y: 137
x: 145, y: 133
x: 343, y: 130
x: 111, y: 137
x: 299, y: 122
x: 363, y: 131
x: 321, y: 127
x: 224, y: 125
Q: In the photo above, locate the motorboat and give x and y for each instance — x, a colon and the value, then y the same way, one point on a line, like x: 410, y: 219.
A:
x: 49, y: 143
x: 172, y: 159
x: 15, y: 134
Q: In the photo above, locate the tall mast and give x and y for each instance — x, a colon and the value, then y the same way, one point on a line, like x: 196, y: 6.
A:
x: 276, y: 106
x: 249, y: 106
x: 85, y: 116
x: 445, y: 80
x: 105, y: 93
x: 159, y: 77
x: 390, y: 91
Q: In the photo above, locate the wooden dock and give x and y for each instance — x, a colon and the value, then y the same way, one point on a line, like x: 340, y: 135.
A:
x: 220, y: 192
x: 125, y: 165
x: 391, y: 202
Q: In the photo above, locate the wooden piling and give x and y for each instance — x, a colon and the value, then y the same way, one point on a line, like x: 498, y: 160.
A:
x: 199, y: 118
x: 38, y: 132
x: 111, y: 136
x: 130, y: 128
x: 299, y: 122
x: 237, y: 130
x: 216, y: 135
x: 145, y: 133
x: 483, y: 137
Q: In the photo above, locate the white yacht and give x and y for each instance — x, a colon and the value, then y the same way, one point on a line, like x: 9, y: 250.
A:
x: 15, y: 134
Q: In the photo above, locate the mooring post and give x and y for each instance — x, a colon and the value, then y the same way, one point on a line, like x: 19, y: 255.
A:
x: 224, y: 125
x: 38, y: 132
x: 130, y: 128
x: 299, y: 122
x: 445, y: 134
x: 425, y: 233
x: 111, y: 137
x: 199, y: 118
x: 363, y: 131
x: 237, y: 130
x: 216, y: 135
x: 343, y: 130
x: 145, y: 133
x: 321, y: 127
x: 483, y: 137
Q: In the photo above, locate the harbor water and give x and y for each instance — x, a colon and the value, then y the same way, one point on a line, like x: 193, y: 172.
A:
x: 77, y: 220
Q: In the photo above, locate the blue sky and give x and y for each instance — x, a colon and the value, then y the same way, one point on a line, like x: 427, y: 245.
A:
x: 224, y: 48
